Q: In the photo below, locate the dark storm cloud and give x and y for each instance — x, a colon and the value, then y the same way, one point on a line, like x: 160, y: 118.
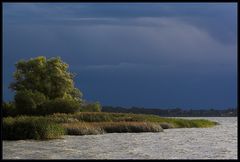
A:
x: 208, y: 16
x: 133, y: 54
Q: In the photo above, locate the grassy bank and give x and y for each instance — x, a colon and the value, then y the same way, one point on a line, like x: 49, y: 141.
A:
x: 83, y: 128
x: 127, y: 117
x: 86, y: 123
x: 25, y: 127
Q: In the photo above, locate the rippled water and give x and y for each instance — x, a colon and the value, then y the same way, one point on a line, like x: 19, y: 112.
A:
x: 219, y: 142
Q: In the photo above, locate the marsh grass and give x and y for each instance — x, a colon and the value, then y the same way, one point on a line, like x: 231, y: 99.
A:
x: 128, y: 117
x: 86, y: 123
x: 131, y: 127
x: 87, y: 128
x: 82, y: 128
x: 24, y: 127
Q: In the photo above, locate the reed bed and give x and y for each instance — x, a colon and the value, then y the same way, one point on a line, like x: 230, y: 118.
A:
x: 87, y: 128
x: 24, y: 127
x: 90, y: 123
x: 128, y: 117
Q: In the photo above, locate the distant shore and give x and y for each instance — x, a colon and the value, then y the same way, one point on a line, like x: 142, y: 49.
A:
x: 175, y: 112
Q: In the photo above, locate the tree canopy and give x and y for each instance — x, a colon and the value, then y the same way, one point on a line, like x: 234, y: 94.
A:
x: 44, y: 86
x: 51, y: 77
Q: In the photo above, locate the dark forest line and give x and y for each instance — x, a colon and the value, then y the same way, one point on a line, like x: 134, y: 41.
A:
x: 175, y: 112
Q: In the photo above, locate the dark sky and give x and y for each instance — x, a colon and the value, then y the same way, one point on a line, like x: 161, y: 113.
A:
x: 161, y: 55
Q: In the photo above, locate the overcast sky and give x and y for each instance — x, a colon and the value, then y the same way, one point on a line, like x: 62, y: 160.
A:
x: 161, y: 55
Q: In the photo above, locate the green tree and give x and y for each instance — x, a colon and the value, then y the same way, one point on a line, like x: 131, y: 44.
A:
x: 50, y: 77
x: 27, y: 101
x: 59, y: 105
x: 40, y: 80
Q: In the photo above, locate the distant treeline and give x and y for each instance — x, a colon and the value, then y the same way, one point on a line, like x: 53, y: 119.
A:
x: 175, y: 112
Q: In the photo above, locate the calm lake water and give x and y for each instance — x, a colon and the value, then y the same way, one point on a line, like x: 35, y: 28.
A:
x: 219, y: 142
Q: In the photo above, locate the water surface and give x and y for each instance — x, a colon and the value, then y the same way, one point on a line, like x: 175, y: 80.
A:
x: 219, y: 142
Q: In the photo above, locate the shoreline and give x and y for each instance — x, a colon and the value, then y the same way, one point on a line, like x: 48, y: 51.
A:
x: 88, y: 123
x: 220, y: 141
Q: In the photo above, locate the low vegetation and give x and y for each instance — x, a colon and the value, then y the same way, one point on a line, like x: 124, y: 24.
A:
x: 89, y: 123
x: 82, y: 128
x: 87, y: 128
x: 128, y: 117
x: 25, y: 127
x: 131, y: 127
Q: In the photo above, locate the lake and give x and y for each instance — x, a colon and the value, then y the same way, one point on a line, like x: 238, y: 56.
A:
x: 219, y: 142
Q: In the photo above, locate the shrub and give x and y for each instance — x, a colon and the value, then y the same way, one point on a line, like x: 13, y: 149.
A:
x: 24, y: 127
x: 27, y: 102
x: 8, y: 109
x: 59, y: 105
x: 91, y: 107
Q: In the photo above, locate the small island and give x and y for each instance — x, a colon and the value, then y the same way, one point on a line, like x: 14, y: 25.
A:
x: 47, y: 105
